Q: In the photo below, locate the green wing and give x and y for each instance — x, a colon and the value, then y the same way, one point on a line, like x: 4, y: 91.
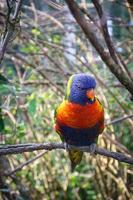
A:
x: 57, y: 130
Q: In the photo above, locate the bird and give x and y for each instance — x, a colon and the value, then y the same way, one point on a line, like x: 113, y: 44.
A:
x: 79, y: 119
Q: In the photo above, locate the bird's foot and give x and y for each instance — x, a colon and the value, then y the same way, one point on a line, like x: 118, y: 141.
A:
x: 92, y: 148
x: 66, y: 146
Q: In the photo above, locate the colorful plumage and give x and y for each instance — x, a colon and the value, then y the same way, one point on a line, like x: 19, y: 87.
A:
x: 79, y: 119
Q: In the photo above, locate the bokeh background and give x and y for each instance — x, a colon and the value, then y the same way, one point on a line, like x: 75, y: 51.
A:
x: 46, y: 48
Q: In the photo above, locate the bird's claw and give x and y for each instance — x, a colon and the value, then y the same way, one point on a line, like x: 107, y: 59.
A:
x: 66, y: 146
x: 92, y: 148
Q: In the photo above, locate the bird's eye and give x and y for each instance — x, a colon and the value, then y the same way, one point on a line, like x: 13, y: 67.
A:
x: 81, y: 88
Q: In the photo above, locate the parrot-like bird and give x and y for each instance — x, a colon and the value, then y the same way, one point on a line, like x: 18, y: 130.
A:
x: 79, y: 119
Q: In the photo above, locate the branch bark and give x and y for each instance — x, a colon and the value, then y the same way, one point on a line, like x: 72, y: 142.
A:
x: 89, y: 30
x: 118, y: 120
x: 21, y: 148
x: 113, y: 53
x: 11, y: 24
x: 21, y: 166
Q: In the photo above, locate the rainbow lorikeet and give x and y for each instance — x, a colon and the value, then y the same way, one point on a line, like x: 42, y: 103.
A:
x: 79, y: 119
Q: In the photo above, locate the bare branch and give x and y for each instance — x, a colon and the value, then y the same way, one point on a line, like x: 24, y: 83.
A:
x: 103, y: 21
x: 89, y: 30
x: 11, y: 24
x: 20, y: 148
x: 118, y: 120
x: 25, y: 163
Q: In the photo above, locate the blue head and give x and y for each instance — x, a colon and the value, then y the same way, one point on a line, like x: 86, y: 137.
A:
x: 80, y: 89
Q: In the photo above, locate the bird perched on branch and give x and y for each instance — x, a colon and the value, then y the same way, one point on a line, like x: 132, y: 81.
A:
x: 79, y: 119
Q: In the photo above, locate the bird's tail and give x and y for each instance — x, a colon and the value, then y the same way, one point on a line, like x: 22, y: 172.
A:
x: 75, y: 157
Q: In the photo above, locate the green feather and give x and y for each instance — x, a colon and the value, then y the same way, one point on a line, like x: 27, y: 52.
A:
x: 68, y: 90
x: 75, y: 157
x: 55, y: 114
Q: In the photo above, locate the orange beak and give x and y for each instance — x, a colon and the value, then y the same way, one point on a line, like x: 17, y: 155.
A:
x: 90, y: 94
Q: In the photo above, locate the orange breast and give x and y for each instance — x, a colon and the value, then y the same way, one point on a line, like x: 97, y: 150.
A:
x: 78, y: 116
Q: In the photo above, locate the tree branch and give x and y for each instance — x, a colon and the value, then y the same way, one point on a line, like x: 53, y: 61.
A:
x: 11, y: 24
x: 18, y: 168
x: 118, y: 120
x: 89, y: 30
x: 21, y: 148
x: 113, y: 53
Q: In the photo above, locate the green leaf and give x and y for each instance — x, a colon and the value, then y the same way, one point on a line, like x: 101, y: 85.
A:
x: 7, y: 89
x: 32, y: 107
x: 30, y: 47
x: 36, y: 32
x: 3, y: 80
x: 57, y: 38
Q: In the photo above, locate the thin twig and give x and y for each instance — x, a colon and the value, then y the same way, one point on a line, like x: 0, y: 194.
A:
x: 16, y: 149
x: 11, y: 24
x: 103, y: 21
x: 25, y: 164
x: 118, y: 120
x: 89, y: 30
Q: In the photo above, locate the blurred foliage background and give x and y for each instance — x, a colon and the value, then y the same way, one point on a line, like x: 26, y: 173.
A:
x: 46, y: 48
